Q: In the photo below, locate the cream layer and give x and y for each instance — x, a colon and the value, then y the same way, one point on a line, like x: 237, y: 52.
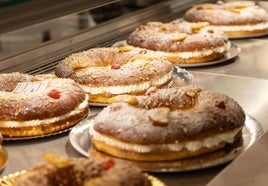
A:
x: 198, y: 53
x: 37, y: 122
x: 208, y: 142
x: 185, y: 55
x: 143, y: 86
x: 260, y: 26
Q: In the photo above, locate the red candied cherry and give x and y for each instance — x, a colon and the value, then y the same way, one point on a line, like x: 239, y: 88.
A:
x: 199, y: 8
x: 55, y: 94
x: 115, y: 66
x: 211, y: 31
x: 221, y: 105
x: 106, y: 165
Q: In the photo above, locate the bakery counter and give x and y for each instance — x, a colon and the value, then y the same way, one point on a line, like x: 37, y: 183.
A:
x: 249, y: 92
x: 243, y: 78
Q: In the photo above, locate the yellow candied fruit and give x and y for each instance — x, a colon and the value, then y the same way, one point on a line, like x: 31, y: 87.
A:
x: 164, y: 27
x: 193, y: 93
x: 203, y: 6
x: 208, y: 6
x: 241, y: 6
x: 132, y: 100
x: 141, y: 57
x: 148, y: 58
x: 123, y: 49
x: 159, y: 116
x: 200, y: 25
x: 233, y: 10
x: 57, y: 160
x: 180, y: 37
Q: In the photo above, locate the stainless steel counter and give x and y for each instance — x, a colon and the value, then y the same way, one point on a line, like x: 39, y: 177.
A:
x: 245, y: 79
x: 249, y: 92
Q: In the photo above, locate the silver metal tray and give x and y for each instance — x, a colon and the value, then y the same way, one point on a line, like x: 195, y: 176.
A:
x: 80, y: 140
x: 95, y: 104
x: 249, y: 36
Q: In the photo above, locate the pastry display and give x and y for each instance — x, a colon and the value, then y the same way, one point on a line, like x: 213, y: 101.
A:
x: 39, y: 105
x: 121, y: 102
x: 107, y: 72
x: 167, y: 124
x: 180, y: 41
x: 236, y: 18
x: 64, y: 171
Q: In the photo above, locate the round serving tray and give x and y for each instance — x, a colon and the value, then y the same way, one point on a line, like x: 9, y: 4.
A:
x: 98, y: 104
x: 80, y: 140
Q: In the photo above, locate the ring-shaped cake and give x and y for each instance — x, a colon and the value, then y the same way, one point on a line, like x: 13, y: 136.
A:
x: 107, y: 72
x: 39, y: 105
x: 168, y: 124
x: 235, y: 18
x: 180, y: 41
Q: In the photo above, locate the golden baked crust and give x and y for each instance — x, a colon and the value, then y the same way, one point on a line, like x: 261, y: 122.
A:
x: 44, y: 128
x: 235, y: 18
x: 153, y: 156
x: 57, y: 106
x: 105, y: 72
x: 82, y: 171
x: 180, y: 120
x: 180, y: 41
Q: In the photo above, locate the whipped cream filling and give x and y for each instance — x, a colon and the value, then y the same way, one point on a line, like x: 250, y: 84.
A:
x: 200, y: 53
x: 37, y: 122
x: 143, y: 86
x: 260, y: 26
x: 187, y: 55
x: 208, y: 142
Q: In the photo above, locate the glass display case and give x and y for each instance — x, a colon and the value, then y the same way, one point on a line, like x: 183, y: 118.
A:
x: 36, y: 35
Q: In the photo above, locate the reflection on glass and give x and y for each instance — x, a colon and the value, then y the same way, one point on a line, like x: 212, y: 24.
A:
x: 27, y: 38
x: 34, y: 36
